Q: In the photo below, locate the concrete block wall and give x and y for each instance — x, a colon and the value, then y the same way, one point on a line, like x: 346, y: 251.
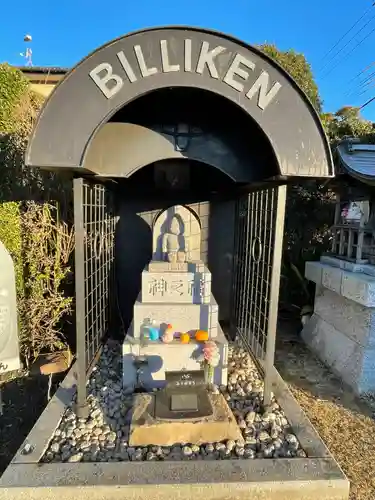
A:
x: 342, y: 329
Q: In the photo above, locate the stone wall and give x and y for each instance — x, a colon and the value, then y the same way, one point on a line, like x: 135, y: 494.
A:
x: 342, y: 328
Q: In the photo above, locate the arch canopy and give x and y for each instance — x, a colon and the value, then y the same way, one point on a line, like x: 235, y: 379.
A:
x: 136, y: 64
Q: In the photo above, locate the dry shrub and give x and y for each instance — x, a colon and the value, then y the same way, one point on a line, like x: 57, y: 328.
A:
x: 47, y: 247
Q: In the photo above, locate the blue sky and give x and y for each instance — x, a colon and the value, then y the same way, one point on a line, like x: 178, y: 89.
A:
x: 64, y: 32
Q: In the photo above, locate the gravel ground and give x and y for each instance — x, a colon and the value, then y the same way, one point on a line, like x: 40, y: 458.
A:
x: 344, y: 422
x: 104, y: 435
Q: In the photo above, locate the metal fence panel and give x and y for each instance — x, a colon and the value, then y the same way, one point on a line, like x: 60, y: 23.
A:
x: 95, y: 222
x: 257, y: 261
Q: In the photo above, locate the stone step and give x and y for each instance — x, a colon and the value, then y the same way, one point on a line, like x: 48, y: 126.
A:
x: 182, y: 287
x: 182, y: 317
x: 168, y: 357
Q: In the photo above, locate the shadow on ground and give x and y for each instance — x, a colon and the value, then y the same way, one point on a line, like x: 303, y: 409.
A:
x: 23, y: 400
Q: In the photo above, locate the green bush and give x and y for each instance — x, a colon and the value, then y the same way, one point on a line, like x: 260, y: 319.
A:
x: 10, y: 235
x: 47, y: 245
x: 13, y: 87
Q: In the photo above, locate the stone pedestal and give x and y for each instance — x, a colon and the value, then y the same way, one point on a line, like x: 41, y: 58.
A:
x: 183, y: 317
x: 147, y: 430
x: 178, y: 294
x: 168, y: 357
x: 176, y: 287
x: 342, y: 328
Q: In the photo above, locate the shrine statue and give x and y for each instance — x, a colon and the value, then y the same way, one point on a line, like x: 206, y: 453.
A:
x: 174, y: 244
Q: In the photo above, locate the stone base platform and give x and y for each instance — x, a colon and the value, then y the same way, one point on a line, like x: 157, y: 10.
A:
x: 168, y: 357
x: 145, y: 430
x: 32, y: 476
x: 183, y: 317
x: 342, y: 329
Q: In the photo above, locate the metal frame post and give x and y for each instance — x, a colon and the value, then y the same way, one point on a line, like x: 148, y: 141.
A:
x: 79, y: 254
x: 274, y: 294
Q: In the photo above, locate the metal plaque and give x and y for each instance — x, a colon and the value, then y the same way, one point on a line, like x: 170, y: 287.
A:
x: 184, y: 379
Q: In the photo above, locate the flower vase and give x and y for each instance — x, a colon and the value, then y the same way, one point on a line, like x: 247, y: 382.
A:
x: 209, y: 374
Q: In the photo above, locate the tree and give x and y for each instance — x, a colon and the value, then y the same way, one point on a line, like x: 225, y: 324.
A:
x: 19, y: 107
x: 347, y: 122
x: 298, y: 67
x: 310, y: 206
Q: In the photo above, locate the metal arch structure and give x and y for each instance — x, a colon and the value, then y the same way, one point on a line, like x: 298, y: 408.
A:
x: 138, y: 63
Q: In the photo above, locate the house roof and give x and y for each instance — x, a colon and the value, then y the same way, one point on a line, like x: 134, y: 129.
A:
x: 43, y: 74
x: 357, y: 160
x: 43, y: 70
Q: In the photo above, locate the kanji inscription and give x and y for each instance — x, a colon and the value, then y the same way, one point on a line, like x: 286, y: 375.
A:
x: 189, y: 288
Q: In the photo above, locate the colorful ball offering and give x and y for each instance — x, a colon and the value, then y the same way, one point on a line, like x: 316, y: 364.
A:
x: 201, y: 336
x: 184, y: 338
x: 168, y: 335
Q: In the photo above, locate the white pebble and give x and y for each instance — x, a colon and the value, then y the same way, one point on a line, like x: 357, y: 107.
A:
x: 105, y: 434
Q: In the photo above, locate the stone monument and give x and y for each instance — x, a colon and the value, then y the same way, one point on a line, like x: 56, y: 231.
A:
x: 175, y: 344
x: 175, y: 313
x: 174, y: 244
x: 176, y: 230
x: 9, y: 347
x: 176, y: 299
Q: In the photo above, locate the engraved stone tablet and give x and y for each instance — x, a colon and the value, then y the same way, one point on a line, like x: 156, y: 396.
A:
x: 186, y: 378
x: 176, y: 287
x: 184, y: 397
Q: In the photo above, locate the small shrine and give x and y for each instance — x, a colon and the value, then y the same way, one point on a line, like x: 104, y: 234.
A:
x: 342, y: 328
x: 165, y: 193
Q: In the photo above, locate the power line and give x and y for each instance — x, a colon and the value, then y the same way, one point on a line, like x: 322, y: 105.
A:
x: 347, y: 43
x: 369, y: 77
x: 351, y: 89
x: 368, y: 87
x: 367, y: 103
x: 347, y: 33
x: 360, y: 84
x: 348, y: 54
x: 361, y: 72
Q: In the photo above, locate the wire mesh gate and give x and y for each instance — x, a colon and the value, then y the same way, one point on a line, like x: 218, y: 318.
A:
x: 94, y: 222
x: 258, y: 250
